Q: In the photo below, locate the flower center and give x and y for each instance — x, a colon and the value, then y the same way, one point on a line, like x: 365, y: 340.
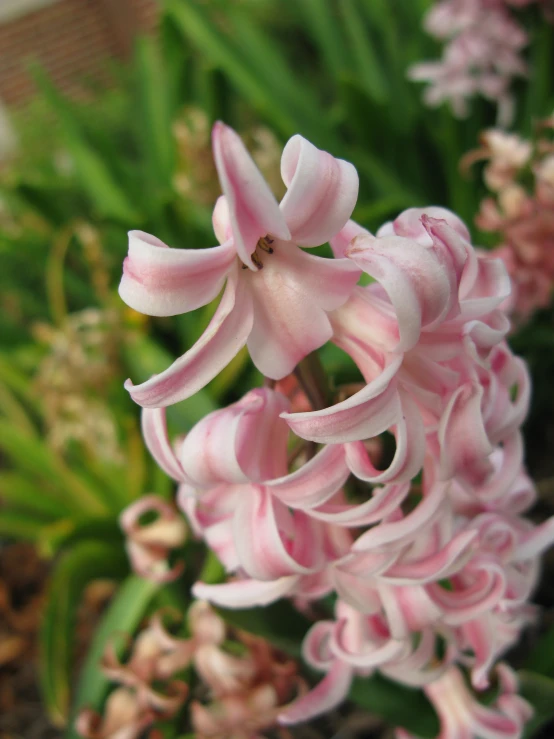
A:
x: 265, y: 245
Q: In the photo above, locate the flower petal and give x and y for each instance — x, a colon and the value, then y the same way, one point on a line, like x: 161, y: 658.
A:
x: 321, y: 195
x: 245, y: 593
x: 154, y: 433
x: 409, y: 455
x: 292, y: 295
x: 365, y: 414
x: 225, y: 336
x: 160, y: 281
x: 328, y: 694
x: 465, y: 446
x: 262, y: 546
x: 341, y: 242
x: 417, y: 281
x: 245, y: 442
x: 253, y: 210
x: 315, y: 482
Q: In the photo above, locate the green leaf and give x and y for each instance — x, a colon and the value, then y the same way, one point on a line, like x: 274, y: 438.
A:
x: 18, y: 491
x: 95, y: 177
x: 32, y: 456
x: 541, y: 658
x: 398, y: 705
x: 279, y: 623
x: 369, y: 71
x: 197, y: 27
x: 79, y: 566
x: 124, y: 614
x: 322, y: 24
x: 20, y: 525
x: 539, y: 691
x: 154, y: 114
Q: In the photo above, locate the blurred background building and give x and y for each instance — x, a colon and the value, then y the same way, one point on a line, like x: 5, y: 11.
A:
x: 73, y: 40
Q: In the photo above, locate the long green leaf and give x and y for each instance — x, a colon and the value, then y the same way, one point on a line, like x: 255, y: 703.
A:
x: 539, y: 691
x: 32, y: 456
x: 124, y: 614
x: 79, y: 566
x: 154, y: 113
x: 196, y: 26
x: 94, y: 174
x: 369, y: 70
x: 20, y: 492
x: 398, y: 705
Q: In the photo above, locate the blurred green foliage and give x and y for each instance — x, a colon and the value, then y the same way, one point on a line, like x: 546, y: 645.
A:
x: 334, y: 71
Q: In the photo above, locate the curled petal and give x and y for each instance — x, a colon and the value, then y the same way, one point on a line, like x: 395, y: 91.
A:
x: 253, y: 210
x: 315, y: 482
x: 262, y: 546
x: 408, y: 527
x: 226, y: 334
x: 487, y: 586
x: 244, y: 442
x: 416, y: 280
x: 161, y: 281
x: 154, y: 433
x: 245, y: 593
x: 341, y: 242
x: 409, y: 455
x: 436, y: 566
x: 411, y: 223
x: 326, y: 696
x: 365, y: 414
x: 370, y: 655
x: 465, y: 445
x: 321, y: 195
x: 382, y: 503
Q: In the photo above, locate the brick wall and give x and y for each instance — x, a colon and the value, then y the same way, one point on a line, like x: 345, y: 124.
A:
x: 72, y: 40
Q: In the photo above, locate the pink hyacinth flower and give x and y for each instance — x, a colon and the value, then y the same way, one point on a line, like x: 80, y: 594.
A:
x: 462, y: 717
x: 277, y: 296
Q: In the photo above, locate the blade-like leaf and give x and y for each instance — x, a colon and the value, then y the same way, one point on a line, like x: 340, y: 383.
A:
x: 124, y: 614
x: 79, y: 566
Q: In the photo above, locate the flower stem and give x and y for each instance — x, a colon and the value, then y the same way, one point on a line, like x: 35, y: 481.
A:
x: 311, y: 376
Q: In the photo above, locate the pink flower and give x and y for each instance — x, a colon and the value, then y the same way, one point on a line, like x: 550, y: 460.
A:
x: 277, y: 296
x: 148, y: 545
x: 483, y: 43
x: 463, y: 717
x: 123, y: 718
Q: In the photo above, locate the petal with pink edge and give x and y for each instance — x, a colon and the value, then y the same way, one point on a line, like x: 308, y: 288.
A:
x: 321, y: 195
x: 161, y: 281
x: 365, y: 414
x: 409, y: 455
x: 465, y: 446
x: 328, y: 694
x: 246, y: 441
x: 315, y: 482
x: 154, y: 433
x: 253, y: 210
x: 418, y: 283
x: 245, y: 593
x: 341, y: 242
x: 263, y: 547
x: 226, y: 334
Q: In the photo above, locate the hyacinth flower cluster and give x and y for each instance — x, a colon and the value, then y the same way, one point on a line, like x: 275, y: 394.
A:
x: 519, y: 210
x: 482, y: 54
x: 428, y: 558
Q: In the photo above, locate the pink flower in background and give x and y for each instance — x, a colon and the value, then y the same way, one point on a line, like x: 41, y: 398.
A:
x: 277, y: 296
x: 521, y: 216
x: 482, y: 55
x: 149, y: 544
